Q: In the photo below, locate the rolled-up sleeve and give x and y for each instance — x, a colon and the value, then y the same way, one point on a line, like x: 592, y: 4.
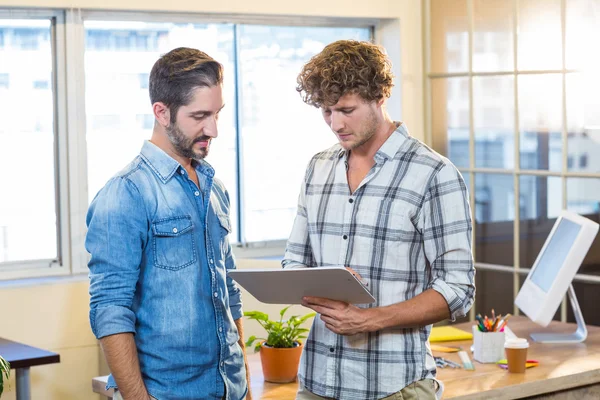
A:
x: 447, y: 228
x: 116, y: 236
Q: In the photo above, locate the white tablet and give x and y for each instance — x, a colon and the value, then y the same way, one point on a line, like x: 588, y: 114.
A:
x: 288, y: 286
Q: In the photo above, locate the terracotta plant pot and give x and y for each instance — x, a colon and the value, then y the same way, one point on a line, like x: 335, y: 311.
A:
x: 280, y: 365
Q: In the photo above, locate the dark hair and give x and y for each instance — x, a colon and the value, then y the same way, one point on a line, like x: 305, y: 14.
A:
x: 176, y: 75
x: 343, y: 67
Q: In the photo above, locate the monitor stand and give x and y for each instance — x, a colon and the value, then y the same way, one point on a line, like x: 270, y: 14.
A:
x: 576, y: 337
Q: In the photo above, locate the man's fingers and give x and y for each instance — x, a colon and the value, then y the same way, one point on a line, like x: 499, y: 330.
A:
x: 319, y: 301
x: 328, y: 320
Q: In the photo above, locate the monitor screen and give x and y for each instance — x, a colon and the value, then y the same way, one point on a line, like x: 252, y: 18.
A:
x: 555, y: 253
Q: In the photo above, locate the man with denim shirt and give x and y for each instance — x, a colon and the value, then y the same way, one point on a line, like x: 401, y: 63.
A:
x: 396, y: 213
x: 167, y: 316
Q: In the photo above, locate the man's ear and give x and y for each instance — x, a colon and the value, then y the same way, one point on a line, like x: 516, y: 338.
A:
x: 380, y: 102
x: 162, y: 114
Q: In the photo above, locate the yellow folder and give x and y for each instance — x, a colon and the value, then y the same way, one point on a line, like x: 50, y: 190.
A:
x: 448, y: 333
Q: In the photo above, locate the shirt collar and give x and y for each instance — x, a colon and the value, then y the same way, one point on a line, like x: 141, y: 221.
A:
x: 390, y: 147
x: 165, y: 166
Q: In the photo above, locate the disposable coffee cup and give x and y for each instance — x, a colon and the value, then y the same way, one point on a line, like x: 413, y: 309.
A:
x: 516, y: 354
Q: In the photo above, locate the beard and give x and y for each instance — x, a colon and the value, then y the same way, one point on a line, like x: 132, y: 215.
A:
x: 367, y: 131
x: 183, y: 145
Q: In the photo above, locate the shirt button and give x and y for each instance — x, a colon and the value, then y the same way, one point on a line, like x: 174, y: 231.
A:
x: 182, y: 172
x: 350, y: 201
x: 220, y: 329
x: 216, y: 294
x: 222, y: 363
x: 345, y: 237
x: 331, y: 349
x: 197, y: 193
x: 210, y: 261
x: 174, y: 230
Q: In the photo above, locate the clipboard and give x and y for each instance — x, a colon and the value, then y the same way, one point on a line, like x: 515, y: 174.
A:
x: 288, y: 286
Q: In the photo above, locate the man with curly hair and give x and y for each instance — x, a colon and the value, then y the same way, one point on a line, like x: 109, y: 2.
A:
x: 396, y: 213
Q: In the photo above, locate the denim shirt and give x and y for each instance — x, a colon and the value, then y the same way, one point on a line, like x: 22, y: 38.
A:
x: 159, y: 256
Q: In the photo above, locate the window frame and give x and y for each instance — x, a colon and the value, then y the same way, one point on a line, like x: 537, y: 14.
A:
x: 242, y: 249
x: 70, y: 148
x: 441, y: 138
x: 58, y: 266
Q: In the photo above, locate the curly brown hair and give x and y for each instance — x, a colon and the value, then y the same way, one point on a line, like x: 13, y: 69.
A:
x: 346, y: 66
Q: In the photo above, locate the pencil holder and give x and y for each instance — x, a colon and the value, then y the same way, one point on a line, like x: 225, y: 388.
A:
x: 488, y: 347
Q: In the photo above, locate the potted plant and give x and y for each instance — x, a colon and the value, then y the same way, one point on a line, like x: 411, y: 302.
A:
x: 4, y: 373
x: 280, y: 351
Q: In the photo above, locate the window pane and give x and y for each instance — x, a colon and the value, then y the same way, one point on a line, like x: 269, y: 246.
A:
x: 540, y: 197
x: 583, y: 23
x: 449, y: 36
x: 588, y: 297
x: 540, y: 203
x: 467, y: 179
x: 540, y: 38
x: 540, y: 120
x: 494, y: 290
x: 118, y: 59
x: 493, y: 35
x: 494, y: 119
x: 273, y: 116
x: 27, y: 215
x: 583, y: 197
x: 450, y: 117
x: 583, y: 122
x: 494, y: 216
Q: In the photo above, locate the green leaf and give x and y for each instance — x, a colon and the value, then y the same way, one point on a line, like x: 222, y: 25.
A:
x: 257, y: 315
x: 4, y: 373
x: 307, y: 316
x: 283, y: 311
x: 280, y: 334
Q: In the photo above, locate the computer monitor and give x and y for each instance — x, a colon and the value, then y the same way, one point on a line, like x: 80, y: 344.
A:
x: 551, y: 275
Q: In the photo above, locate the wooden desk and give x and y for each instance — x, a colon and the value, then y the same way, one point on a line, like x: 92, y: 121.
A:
x: 21, y: 357
x: 573, y: 370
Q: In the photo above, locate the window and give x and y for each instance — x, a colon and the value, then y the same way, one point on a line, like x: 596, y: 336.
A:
x: 30, y: 38
x: 4, y: 80
x: 72, y: 141
x: 272, y: 183
x: 28, y: 217
x: 145, y: 121
x: 144, y: 80
x: 583, y: 161
x: 41, y: 84
x: 518, y: 92
x: 268, y: 200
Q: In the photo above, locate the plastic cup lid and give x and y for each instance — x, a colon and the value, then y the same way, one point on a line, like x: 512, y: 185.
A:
x: 516, y: 343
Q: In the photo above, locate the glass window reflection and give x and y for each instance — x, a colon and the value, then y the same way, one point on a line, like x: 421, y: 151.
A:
x: 26, y: 71
x: 494, y: 216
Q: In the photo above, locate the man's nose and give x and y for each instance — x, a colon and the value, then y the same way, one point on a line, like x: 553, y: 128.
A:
x: 336, y: 123
x: 210, y: 129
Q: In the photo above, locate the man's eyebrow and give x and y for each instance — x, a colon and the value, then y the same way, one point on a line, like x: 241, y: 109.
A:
x: 344, y: 108
x: 204, y: 112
